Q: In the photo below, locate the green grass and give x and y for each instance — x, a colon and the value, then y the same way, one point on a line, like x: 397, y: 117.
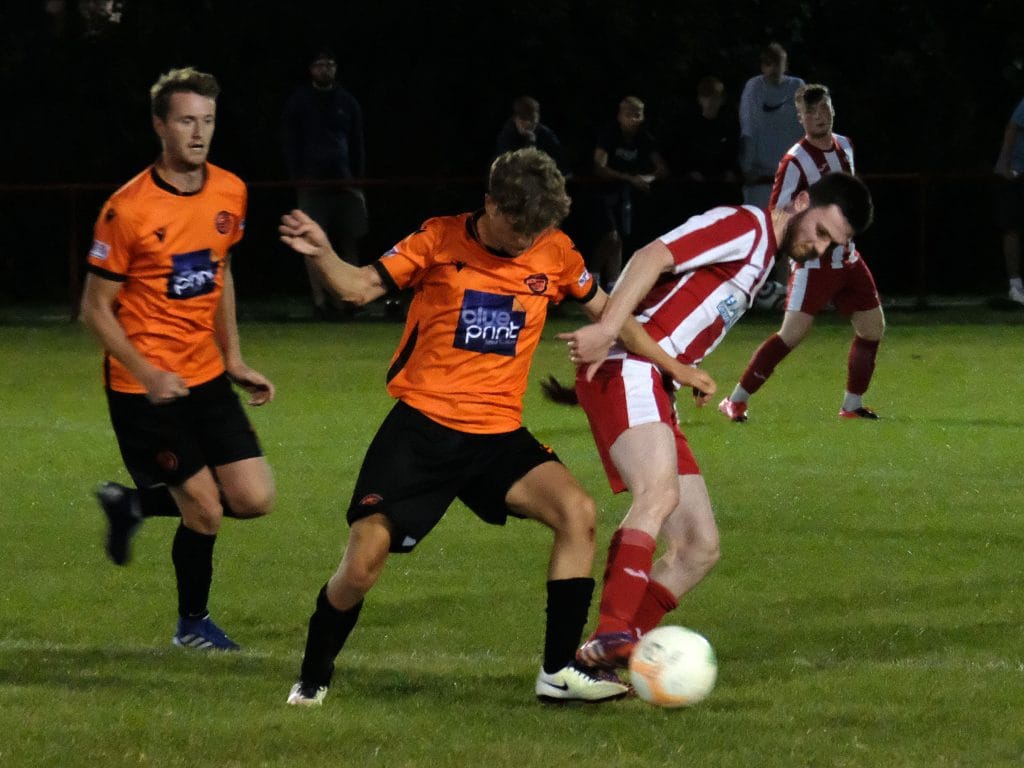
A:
x: 866, y: 611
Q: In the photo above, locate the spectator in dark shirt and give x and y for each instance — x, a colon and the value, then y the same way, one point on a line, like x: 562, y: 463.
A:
x: 323, y: 141
x: 709, y: 148
x: 524, y: 129
x: 627, y: 154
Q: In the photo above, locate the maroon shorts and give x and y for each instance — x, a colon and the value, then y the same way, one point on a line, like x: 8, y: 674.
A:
x: 627, y: 393
x: 850, y: 289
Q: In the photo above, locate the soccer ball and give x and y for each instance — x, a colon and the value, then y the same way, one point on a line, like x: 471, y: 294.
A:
x: 673, y: 667
x: 771, y: 296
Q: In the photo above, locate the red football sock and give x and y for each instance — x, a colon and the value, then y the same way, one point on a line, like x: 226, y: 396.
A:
x: 860, y: 365
x: 656, y: 603
x: 762, y: 364
x: 626, y: 576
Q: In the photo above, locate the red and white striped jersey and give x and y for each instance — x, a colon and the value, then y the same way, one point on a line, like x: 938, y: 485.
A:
x: 803, y: 165
x: 722, y: 258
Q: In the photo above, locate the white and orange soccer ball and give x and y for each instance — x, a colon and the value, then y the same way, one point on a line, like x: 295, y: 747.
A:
x: 673, y: 667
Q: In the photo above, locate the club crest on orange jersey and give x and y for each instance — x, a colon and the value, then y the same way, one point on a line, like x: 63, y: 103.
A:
x: 537, y: 283
x: 224, y: 221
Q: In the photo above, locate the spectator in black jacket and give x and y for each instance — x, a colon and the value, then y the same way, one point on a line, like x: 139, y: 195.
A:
x: 524, y: 129
x: 323, y: 141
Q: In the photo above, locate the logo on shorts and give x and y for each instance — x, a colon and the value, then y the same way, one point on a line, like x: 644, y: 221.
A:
x: 224, y: 221
x: 537, y: 283
x: 583, y: 278
x: 167, y: 461
x: 371, y: 500
x: 489, y: 322
x: 192, y: 274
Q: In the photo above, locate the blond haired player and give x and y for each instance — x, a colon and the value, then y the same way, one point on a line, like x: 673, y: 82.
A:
x: 482, y: 283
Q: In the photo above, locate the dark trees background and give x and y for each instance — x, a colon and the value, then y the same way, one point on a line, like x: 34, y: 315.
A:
x: 919, y: 87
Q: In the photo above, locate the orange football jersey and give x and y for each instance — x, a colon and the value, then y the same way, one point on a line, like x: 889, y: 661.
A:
x: 475, y: 320
x: 169, y: 250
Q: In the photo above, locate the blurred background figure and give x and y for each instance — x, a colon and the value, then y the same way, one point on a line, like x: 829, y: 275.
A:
x: 1010, y: 198
x: 768, y: 124
x: 708, y: 149
x: 628, y: 154
x: 524, y: 129
x: 323, y: 140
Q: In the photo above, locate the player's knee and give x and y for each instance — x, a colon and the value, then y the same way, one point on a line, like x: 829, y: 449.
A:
x: 696, y: 554
x: 655, y: 503
x: 202, y: 515
x: 578, y: 516
x: 255, y: 502
x: 705, y: 552
x: 357, y: 576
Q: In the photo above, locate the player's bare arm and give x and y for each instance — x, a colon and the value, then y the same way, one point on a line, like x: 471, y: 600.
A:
x: 259, y: 387
x: 638, y: 342
x: 97, y: 313
x: 359, y: 285
x: 604, y: 171
x: 591, y: 342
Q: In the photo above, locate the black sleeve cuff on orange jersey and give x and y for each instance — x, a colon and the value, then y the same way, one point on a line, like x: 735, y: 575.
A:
x: 105, y: 274
x: 389, y: 283
x: 590, y: 294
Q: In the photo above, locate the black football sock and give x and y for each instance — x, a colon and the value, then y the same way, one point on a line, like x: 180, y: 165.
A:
x: 329, y: 628
x: 157, y: 502
x: 568, y: 605
x: 192, y: 553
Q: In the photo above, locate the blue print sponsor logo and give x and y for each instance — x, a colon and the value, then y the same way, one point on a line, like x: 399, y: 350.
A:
x: 192, y: 274
x: 730, y: 310
x: 489, y: 322
x: 583, y: 278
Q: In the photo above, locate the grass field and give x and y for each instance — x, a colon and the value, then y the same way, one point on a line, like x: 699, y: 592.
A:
x: 866, y: 611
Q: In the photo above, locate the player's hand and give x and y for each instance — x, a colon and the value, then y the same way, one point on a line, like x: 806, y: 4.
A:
x: 259, y: 387
x: 700, y: 397
x: 163, y: 387
x: 643, y: 183
x: 303, y: 235
x: 588, y: 346
x: 699, y: 381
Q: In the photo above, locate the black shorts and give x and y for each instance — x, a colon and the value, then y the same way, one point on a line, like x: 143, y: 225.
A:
x: 167, y: 444
x: 415, y: 468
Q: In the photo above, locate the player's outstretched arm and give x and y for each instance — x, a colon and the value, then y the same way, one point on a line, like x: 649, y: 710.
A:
x: 359, y: 285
